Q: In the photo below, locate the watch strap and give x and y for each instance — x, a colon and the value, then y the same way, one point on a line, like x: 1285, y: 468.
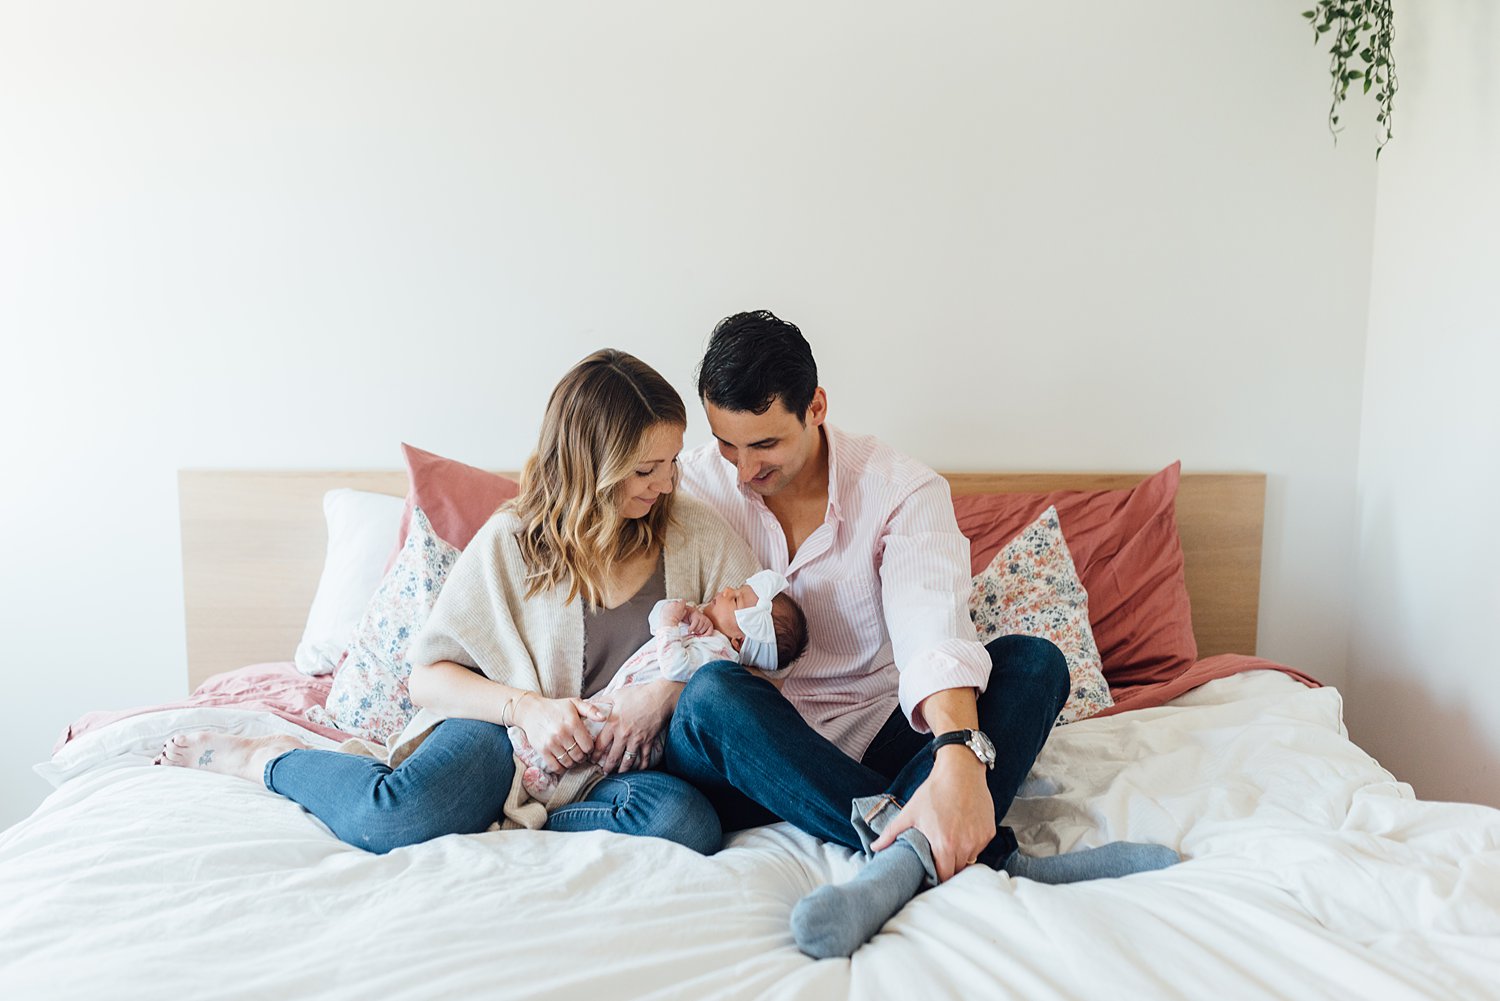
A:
x: 974, y: 740
x: 951, y: 737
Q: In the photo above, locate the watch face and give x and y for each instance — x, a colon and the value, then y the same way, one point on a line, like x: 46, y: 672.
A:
x: 980, y: 744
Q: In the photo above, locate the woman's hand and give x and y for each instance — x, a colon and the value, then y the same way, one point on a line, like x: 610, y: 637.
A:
x: 557, y: 728
x: 634, y: 736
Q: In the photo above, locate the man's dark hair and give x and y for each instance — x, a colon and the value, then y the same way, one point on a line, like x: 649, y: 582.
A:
x: 754, y: 359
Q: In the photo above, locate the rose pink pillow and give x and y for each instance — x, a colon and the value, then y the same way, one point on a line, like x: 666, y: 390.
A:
x: 1124, y: 544
x: 457, y: 499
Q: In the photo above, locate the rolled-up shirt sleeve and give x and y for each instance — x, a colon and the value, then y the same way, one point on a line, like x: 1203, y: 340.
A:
x: 924, y: 584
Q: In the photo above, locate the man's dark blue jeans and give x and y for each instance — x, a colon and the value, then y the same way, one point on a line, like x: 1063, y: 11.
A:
x: 748, y: 750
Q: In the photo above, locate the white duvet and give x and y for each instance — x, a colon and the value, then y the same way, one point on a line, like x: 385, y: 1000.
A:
x: 1311, y: 873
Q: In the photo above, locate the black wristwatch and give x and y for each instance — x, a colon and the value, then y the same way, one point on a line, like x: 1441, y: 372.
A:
x: 974, y: 740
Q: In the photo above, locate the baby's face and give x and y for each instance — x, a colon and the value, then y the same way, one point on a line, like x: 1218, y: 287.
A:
x: 721, y: 610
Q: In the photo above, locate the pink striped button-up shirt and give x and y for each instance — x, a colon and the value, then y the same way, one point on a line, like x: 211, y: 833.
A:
x: 884, y: 582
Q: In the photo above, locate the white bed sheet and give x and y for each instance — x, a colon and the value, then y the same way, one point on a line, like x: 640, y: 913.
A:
x: 1311, y: 873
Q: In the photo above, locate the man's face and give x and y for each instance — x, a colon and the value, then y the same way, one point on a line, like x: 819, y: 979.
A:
x: 771, y: 450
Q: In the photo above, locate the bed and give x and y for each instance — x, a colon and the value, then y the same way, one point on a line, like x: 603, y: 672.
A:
x: 1310, y: 871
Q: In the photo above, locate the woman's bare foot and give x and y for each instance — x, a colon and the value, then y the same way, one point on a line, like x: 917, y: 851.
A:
x: 246, y: 757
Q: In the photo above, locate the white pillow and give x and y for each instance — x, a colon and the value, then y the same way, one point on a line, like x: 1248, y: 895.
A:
x: 362, y: 530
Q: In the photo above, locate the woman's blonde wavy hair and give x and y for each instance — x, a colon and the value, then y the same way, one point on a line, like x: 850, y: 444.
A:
x: 592, y: 437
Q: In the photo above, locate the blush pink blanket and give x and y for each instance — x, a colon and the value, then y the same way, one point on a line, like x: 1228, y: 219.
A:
x: 281, y: 689
x: 276, y: 688
x: 1201, y: 673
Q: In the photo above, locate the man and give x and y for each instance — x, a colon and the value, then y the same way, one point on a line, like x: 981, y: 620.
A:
x: 895, y: 704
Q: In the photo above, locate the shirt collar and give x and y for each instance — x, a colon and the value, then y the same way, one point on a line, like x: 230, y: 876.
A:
x: 831, y: 439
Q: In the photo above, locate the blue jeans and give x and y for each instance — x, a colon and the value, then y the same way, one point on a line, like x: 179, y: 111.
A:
x: 456, y: 782
x: 738, y: 740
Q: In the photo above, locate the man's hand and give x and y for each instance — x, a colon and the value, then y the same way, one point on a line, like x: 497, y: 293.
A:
x: 953, y: 808
x: 635, y: 732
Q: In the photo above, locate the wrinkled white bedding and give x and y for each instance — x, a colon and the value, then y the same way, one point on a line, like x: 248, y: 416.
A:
x: 1312, y: 873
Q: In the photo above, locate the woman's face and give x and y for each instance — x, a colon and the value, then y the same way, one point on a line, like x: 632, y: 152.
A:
x: 655, y: 471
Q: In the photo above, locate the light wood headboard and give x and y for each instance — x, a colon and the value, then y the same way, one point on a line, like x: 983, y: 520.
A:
x: 253, y: 545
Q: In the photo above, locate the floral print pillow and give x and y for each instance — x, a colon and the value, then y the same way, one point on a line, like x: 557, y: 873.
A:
x: 1032, y: 588
x: 369, y: 697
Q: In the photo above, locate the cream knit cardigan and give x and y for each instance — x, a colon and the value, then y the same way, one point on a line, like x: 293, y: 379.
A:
x: 483, y: 620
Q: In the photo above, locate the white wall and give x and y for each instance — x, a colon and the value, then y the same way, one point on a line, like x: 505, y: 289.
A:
x: 1085, y: 236
x: 1425, y: 663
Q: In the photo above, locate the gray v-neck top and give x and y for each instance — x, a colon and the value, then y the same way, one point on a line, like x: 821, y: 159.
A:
x: 611, y: 635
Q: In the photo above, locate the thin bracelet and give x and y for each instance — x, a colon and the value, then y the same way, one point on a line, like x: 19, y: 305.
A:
x: 505, y: 713
x: 519, y: 699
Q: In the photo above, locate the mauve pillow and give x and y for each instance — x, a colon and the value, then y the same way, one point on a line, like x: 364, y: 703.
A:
x: 1129, y: 559
x: 457, y: 499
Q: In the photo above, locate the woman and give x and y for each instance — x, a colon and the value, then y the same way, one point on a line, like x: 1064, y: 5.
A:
x: 510, y: 641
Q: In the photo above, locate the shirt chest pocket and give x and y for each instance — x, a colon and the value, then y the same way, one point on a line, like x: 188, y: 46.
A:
x: 844, y: 616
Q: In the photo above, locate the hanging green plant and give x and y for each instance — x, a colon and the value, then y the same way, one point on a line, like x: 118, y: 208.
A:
x: 1362, y: 29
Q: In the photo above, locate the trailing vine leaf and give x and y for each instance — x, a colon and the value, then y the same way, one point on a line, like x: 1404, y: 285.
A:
x: 1358, y: 29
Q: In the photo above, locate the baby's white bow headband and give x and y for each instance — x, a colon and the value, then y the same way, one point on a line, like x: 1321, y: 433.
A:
x: 759, y: 646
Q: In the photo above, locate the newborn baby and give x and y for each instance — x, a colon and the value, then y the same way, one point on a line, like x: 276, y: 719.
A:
x: 754, y: 624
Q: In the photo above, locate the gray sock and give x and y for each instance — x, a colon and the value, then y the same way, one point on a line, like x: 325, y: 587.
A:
x: 836, y: 920
x: 1118, y: 858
